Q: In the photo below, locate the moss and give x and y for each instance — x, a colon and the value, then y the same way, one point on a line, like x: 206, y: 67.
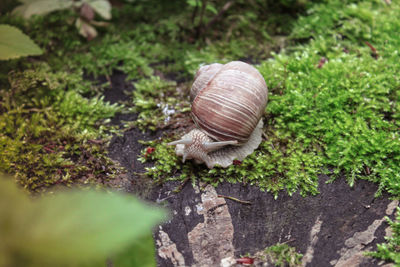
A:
x: 348, y: 105
x: 283, y: 255
x: 149, y: 36
x: 157, y: 102
x: 277, y: 255
x: 47, y: 128
x: 273, y: 167
x: 390, y: 251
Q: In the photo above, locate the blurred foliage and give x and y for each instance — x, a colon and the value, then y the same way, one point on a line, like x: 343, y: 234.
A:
x: 75, y: 228
x: 148, y: 35
x: 85, y: 11
x: 15, y: 44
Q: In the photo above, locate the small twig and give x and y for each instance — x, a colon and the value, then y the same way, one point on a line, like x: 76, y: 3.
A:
x: 96, y: 142
x: 204, y: 186
x: 200, y: 25
x: 194, y: 15
x: 109, y: 80
x: 220, y: 13
x: 265, y: 135
x: 49, y: 150
x: 321, y: 62
x: 29, y: 110
x: 67, y: 166
x: 288, y: 241
x: 266, y: 138
x: 235, y: 199
x: 373, y: 49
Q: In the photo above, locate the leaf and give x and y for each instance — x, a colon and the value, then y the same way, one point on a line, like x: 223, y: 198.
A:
x: 140, y: 254
x: 102, y: 7
x: 87, y: 12
x: 41, y: 7
x: 81, y: 226
x: 85, y: 29
x: 14, y: 44
x: 193, y: 3
x: 72, y: 227
x: 211, y: 8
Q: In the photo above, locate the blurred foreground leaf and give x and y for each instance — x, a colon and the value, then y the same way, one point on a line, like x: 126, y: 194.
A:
x: 102, y: 7
x: 72, y: 227
x: 15, y: 44
x: 40, y: 7
x: 140, y: 254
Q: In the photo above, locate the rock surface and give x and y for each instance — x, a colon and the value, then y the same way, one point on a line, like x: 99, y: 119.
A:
x: 333, y: 228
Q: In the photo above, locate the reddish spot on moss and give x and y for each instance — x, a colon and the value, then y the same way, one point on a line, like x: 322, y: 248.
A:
x: 245, y: 261
x: 149, y: 151
x: 237, y: 162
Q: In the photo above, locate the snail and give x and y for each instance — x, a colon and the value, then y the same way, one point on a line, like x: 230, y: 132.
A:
x: 227, y: 103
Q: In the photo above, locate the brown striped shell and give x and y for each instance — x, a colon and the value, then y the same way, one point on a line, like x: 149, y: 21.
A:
x: 227, y: 104
x: 228, y: 100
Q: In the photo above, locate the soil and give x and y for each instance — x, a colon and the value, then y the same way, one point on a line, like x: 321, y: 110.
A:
x: 333, y: 228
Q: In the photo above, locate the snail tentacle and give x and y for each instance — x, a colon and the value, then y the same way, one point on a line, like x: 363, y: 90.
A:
x: 187, y: 141
x: 212, y: 146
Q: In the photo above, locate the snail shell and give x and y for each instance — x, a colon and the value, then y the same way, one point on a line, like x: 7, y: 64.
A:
x: 227, y: 105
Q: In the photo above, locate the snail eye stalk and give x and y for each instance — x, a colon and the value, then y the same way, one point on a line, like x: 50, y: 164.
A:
x: 181, y: 142
x: 212, y: 146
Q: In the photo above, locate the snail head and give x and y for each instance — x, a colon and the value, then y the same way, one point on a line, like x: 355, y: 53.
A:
x: 196, y: 145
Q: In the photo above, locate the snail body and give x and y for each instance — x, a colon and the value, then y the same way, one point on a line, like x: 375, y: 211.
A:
x: 227, y: 105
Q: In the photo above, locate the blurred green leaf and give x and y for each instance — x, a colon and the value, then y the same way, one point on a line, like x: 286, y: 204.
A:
x: 14, y: 44
x: 140, y: 254
x: 193, y: 3
x: 85, y: 29
x: 72, y: 227
x: 211, y: 8
x: 40, y: 7
x: 102, y: 7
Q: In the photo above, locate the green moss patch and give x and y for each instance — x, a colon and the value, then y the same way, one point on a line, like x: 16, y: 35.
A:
x: 348, y: 105
x: 156, y: 101
x: 282, y: 255
x: 390, y: 251
x: 48, y: 131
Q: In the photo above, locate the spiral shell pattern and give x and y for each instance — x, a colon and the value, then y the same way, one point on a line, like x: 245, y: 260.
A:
x: 228, y: 100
